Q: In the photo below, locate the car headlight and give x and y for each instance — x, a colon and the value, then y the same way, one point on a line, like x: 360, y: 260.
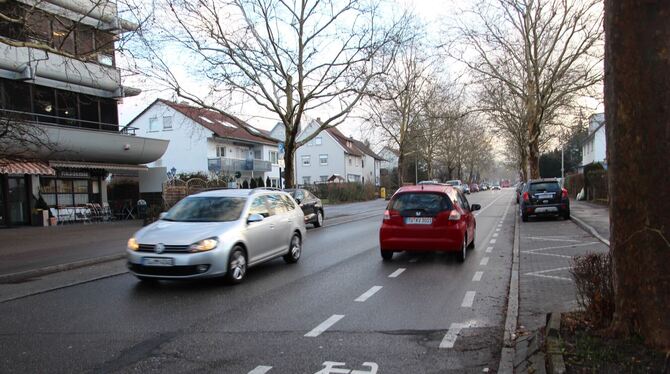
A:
x: 132, y: 244
x: 204, y: 245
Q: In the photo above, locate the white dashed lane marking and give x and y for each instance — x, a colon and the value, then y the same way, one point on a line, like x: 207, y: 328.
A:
x: 325, y: 325
x: 413, y: 260
x: 489, y: 249
x: 261, y: 369
x: 484, y: 261
x: 493, y: 241
x: 478, y: 276
x: 495, y: 235
x: 396, y: 273
x: 450, y: 338
x: 368, y: 294
x: 469, y: 299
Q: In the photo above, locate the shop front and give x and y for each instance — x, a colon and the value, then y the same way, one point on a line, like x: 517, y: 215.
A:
x: 18, y: 178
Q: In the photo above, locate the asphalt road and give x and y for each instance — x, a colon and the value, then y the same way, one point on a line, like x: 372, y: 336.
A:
x: 339, y: 304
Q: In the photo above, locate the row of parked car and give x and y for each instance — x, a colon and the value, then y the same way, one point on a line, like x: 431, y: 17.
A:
x: 223, y: 233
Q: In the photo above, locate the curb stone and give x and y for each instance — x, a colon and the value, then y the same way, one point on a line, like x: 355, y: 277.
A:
x: 588, y: 228
x: 507, y: 353
x: 23, y: 275
x: 555, y: 361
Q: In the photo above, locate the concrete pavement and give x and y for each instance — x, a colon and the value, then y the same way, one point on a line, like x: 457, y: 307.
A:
x: 547, y: 246
x: 594, y: 218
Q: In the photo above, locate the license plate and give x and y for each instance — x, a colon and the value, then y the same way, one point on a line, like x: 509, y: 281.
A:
x: 157, y: 261
x: 419, y: 220
x: 545, y: 201
x: 550, y: 209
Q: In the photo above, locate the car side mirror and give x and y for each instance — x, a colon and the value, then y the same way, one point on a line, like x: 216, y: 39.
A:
x: 298, y: 201
x: 254, y: 218
x: 474, y: 207
x: 162, y: 215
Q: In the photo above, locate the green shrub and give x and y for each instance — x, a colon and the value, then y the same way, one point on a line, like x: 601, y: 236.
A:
x: 344, y: 192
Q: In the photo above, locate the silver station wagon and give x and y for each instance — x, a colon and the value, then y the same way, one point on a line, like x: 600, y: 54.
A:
x: 218, y: 233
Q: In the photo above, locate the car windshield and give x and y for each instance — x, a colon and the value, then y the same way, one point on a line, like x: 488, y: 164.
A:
x: 206, y: 209
x: 428, y: 202
x: 545, y: 187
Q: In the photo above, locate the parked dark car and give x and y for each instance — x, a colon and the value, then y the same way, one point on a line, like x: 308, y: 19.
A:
x: 310, y: 204
x: 544, y: 197
x: 519, y: 191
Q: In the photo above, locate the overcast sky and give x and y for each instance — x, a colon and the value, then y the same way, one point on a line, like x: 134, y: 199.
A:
x: 432, y: 12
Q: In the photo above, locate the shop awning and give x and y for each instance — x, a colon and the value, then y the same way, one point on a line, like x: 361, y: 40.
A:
x: 96, y: 165
x: 25, y: 167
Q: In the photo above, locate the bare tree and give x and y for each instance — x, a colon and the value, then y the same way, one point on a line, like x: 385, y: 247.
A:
x: 394, y: 111
x: 289, y: 58
x: 545, y: 53
x: 638, y: 134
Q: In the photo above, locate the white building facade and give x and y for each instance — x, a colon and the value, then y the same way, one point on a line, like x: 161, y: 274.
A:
x: 209, y: 142
x: 594, y: 147
x: 333, y: 156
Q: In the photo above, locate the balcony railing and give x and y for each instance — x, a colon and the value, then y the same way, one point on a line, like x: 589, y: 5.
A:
x: 44, y: 119
x: 231, y: 165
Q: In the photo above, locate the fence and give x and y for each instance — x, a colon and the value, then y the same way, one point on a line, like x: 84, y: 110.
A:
x: 594, y: 182
x: 177, y: 189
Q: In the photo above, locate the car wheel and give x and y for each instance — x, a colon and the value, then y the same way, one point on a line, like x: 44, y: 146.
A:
x: 566, y: 215
x: 319, y: 219
x: 524, y: 217
x: 237, y: 266
x: 464, y: 249
x: 386, y: 255
x: 294, y: 250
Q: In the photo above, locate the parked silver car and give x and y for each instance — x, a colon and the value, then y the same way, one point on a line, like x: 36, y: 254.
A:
x: 218, y: 233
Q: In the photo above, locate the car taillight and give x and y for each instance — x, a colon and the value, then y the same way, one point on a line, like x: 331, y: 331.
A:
x: 387, y: 215
x: 526, y: 197
x: 565, y: 193
x: 454, y: 215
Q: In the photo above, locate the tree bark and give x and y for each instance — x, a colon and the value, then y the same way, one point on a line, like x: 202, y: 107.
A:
x: 637, y: 119
x: 401, y: 169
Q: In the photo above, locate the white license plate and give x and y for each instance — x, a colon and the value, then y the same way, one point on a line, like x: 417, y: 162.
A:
x: 157, y: 261
x: 419, y: 220
x: 549, y: 209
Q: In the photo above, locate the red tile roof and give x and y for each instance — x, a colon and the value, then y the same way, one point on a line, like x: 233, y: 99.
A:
x: 221, y: 124
x: 352, y: 146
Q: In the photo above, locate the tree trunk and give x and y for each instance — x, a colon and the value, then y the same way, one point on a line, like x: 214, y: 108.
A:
x: 637, y: 102
x: 401, y: 169
x: 289, y: 166
x: 534, y: 151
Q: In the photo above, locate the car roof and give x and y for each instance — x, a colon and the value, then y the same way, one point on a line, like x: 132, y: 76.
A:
x: 235, y: 192
x: 426, y: 188
x: 541, y: 180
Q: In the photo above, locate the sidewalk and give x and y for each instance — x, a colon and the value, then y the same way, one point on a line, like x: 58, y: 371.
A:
x: 348, y: 209
x: 594, y: 215
x: 30, y: 248
x: 546, y: 248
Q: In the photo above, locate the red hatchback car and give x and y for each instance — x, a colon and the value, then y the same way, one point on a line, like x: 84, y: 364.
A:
x: 428, y: 218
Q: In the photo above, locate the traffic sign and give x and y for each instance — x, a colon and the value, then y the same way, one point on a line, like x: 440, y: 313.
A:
x: 281, y: 163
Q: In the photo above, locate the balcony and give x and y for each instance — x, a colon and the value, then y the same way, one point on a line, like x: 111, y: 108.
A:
x: 78, y: 140
x: 58, y: 71
x: 231, y: 165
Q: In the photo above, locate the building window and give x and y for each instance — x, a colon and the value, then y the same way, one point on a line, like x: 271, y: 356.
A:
x: 306, y: 160
x: 323, y: 159
x: 220, y: 151
x: 318, y: 140
x: 350, y: 161
x: 153, y: 124
x: 323, y: 178
x: 362, y: 163
x: 306, y: 180
x: 258, y: 154
x: 167, y: 123
x: 274, y: 157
